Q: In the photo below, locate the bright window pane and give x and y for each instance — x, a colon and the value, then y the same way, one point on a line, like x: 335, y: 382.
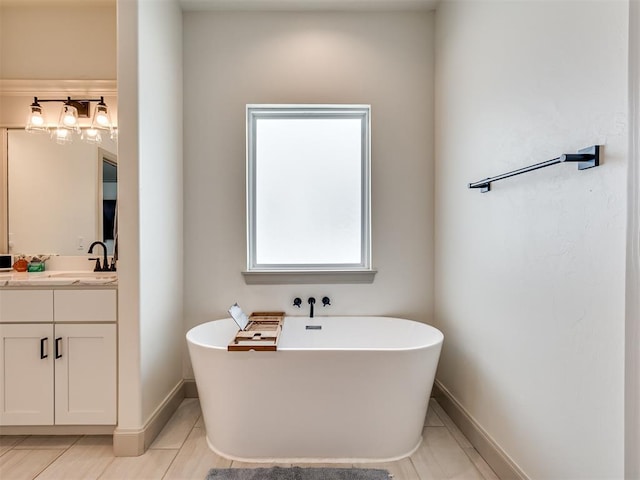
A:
x: 309, y: 206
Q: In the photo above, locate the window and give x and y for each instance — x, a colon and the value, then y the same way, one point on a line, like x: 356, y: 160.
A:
x: 308, y: 193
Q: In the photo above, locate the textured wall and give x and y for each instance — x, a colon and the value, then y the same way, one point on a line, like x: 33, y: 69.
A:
x: 530, y: 277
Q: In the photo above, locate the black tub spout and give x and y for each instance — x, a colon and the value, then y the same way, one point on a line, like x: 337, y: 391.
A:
x: 312, y: 301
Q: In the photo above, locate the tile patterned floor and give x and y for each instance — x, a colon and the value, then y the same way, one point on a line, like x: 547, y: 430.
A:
x: 180, y: 452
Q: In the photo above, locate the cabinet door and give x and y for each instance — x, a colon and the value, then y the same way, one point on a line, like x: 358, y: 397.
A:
x: 85, y: 370
x: 26, y: 374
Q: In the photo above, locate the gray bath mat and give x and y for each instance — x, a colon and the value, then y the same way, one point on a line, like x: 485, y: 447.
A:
x: 297, y: 473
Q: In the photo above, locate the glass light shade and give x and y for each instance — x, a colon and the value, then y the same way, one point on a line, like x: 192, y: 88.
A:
x: 69, y: 118
x: 36, y: 121
x: 101, y: 119
x: 91, y: 135
x: 62, y: 135
x: 114, y: 134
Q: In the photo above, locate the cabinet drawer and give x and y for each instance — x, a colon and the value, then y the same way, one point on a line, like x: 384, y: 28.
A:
x: 26, y: 306
x: 85, y: 306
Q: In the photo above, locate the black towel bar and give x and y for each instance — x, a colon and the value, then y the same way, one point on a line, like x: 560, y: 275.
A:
x: 587, y: 158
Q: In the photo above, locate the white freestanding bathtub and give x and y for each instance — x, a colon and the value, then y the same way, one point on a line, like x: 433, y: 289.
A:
x: 355, y: 390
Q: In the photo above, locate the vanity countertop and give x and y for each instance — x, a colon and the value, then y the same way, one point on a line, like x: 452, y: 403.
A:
x: 57, y: 278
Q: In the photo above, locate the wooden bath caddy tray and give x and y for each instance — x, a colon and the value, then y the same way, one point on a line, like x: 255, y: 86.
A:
x: 261, y: 334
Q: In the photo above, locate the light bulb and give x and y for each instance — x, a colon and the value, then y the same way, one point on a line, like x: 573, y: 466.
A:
x: 69, y: 118
x: 102, y: 118
x: 36, y: 119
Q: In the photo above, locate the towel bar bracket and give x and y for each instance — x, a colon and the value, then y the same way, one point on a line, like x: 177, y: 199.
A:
x: 586, y: 158
x: 590, y: 157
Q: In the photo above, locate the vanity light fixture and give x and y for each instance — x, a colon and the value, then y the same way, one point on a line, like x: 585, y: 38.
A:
x: 69, y: 117
x: 36, y: 120
x: 68, y: 121
x: 101, y: 119
x: 67, y: 124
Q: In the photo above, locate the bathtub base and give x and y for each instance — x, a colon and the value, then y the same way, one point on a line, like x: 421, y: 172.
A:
x: 266, y: 460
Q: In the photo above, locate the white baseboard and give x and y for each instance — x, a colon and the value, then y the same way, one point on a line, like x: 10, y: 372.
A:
x: 497, y: 459
x: 134, y: 442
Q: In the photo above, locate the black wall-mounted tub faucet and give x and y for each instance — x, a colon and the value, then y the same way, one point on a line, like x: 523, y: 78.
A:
x: 312, y: 302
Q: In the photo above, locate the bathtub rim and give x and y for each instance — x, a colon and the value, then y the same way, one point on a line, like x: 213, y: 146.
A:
x: 438, y: 341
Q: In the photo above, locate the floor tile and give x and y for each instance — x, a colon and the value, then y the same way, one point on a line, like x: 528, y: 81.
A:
x: 449, y: 456
x: 432, y: 419
x: 48, y: 441
x: 424, y: 461
x: 480, y: 464
x: 401, y: 469
x: 177, y: 429
x: 86, y: 460
x: 7, y: 442
x: 150, y: 466
x: 180, y: 452
x: 452, y: 427
x: 26, y: 464
x: 195, y: 459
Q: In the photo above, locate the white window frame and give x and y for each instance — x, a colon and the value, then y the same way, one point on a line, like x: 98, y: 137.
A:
x: 360, y: 272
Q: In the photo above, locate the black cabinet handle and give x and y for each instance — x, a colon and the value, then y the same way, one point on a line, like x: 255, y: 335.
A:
x: 42, y: 354
x: 58, y: 347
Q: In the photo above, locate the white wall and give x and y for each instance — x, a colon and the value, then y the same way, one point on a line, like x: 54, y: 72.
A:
x: 161, y: 199
x: 632, y: 330
x: 382, y: 59
x: 57, y: 41
x: 531, y: 276
x: 150, y: 214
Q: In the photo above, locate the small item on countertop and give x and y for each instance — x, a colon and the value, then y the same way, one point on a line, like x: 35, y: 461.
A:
x: 35, y: 267
x: 20, y: 265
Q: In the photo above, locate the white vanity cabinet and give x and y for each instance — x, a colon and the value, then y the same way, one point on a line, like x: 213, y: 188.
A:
x: 58, y: 357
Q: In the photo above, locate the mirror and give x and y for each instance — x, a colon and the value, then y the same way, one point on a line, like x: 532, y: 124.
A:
x: 60, y: 197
